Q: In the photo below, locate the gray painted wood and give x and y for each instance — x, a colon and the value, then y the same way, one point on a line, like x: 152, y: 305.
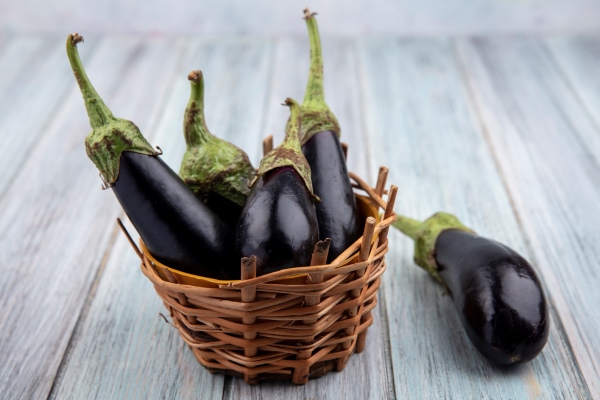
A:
x: 546, y: 147
x: 365, y: 375
x: 56, y: 222
x: 423, y: 125
x: 35, y: 82
x: 123, y: 349
x: 353, y: 18
x: 578, y: 57
x: 505, y: 136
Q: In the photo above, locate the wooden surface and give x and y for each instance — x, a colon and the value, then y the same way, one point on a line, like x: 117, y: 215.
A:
x: 272, y: 17
x: 502, y: 132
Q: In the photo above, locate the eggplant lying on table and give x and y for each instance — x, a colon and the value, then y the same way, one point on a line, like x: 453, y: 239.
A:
x: 496, y: 292
x: 177, y: 228
x: 337, y: 211
x: 279, y: 223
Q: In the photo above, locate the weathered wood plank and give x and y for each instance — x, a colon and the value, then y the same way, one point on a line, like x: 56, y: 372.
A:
x: 54, y: 227
x: 123, y: 350
x: 423, y: 126
x: 33, y: 83
x: 359, y: 17
x: 546, y: 145
x: 578, y: 58
x: 365, y: 375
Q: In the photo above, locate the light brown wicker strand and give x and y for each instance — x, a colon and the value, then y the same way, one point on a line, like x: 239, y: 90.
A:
x: 345, y: 149
x: 319, y: 257
x: 389, y: 210
x: 248, y: 296
x: 365, y: 250
x: 381, y: 180
x: 267, y: 144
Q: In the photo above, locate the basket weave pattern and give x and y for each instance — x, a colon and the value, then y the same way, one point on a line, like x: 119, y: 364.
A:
x: 292, y: 324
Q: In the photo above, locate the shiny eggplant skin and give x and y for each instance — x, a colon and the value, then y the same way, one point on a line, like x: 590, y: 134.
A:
x: 496, y: 292
x: 178, y: 229
x: 337, y: 211
x: 225, y: 209
x: 278, y: 223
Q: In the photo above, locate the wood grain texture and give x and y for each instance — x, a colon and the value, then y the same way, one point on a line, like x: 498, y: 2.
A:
x: 421, y: 117
x: 354, y: 18
x: 123, y: 349
x: 365, y: 375
x: 32, y: 89
x: 56, y: 222
x: 547, y: 148
x: 578, y: 58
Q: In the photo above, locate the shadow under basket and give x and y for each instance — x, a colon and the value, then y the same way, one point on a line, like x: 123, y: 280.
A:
x: 292, y: 324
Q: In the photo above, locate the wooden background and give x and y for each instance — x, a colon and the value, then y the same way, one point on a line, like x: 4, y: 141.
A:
x: 503, y: 131
x: 272, y: 17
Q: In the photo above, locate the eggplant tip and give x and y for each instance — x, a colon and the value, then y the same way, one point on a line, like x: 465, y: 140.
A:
x: 308, y: 14
x: 75, y: 38
x: 195, y: 76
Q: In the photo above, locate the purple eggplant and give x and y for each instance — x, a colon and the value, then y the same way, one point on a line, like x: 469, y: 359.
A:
x: 337, y: 211
x: 278, y: 224
x: 217, y: 171
x: 496, y: 292
x: 177, y: 228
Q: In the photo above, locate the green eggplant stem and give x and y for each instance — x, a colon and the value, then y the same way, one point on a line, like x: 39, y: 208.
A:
x: 98, y: 112
x: 408, y: 226
x: 314, y: 95
x: 110, y: 136
x: 293, y: 135
x: 315, y: 114
x: 425, y: 235
x: 289, y: 152
x: 195, y: 129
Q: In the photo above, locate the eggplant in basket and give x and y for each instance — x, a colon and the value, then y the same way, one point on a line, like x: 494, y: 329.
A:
x: 177, y: 228
x: 279, y: 223
x: 337, y: 210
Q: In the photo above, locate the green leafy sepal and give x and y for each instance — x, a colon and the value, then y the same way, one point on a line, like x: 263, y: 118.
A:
x: 425, y: 235
x: 289, y: 153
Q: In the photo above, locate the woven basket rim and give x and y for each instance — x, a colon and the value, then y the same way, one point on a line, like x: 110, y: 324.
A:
x: 296, y: 272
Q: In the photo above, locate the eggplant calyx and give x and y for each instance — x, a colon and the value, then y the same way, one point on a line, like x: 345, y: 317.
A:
x: 289, y: 153
x: 110, y: 136
x: 211, y: 164
x: 425, y: 235
x: 315, y: 114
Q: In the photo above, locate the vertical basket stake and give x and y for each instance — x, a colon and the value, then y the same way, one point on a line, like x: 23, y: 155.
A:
x: 319, y: 257
x: 131, y: 242
x: 345, y: 150
x: 381, y: 179
x: 267, y: 144
x: 248, y: 296
x: 180, y: 296
x: 389, y: 210
x: 363, y: 255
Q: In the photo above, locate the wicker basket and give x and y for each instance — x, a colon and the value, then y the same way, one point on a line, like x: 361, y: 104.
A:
x: 292, y: 324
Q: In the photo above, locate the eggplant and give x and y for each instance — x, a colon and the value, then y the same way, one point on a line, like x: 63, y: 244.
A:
x: 496, y: 292
x: 279, y: 224
x: 177, y: 228
x: 337, y: 211
x: 217, y: 171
